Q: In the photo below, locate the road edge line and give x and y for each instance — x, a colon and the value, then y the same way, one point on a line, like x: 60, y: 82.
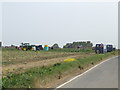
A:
x: 84, y: 73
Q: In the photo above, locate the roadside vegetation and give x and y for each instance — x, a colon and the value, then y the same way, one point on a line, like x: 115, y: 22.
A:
x: 41, y: 77
x: 118, y: 51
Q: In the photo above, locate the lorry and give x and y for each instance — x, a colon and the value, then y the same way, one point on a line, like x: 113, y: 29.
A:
x: 99, y: 48
x: 109, y: 48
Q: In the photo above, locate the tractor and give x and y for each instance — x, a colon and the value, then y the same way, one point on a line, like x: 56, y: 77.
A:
x: 25, y: 46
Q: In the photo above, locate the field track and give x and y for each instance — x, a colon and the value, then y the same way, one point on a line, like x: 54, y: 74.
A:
x: 21, y: 67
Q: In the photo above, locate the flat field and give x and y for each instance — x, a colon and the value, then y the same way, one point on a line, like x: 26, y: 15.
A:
x: 41, y: 69
x: 14, y: 60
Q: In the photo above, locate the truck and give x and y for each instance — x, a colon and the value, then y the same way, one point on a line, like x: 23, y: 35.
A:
x: 109, y: 48
x: 99, y: 48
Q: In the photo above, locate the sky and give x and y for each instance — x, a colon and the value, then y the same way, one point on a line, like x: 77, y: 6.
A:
x: 59, y: 22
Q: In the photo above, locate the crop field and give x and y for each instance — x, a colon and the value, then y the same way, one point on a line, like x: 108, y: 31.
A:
x: 14, y: 60
x: 13, y: 56
x: 28, y: 69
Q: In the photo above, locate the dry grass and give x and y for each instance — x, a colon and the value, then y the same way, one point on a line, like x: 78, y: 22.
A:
x: 14, y: 57
x: 19, y: 61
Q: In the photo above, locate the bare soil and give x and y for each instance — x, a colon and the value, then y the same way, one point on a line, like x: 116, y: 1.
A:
x: 21, y: 67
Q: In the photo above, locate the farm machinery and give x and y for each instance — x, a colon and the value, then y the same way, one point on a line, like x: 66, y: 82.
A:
x: 27, y: 46
x: 101, y: 48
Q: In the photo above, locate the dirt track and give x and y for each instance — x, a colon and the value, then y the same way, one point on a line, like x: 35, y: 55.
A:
x: 22, y: 67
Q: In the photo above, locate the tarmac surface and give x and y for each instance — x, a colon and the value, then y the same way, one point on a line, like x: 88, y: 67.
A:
x: 104, y: 75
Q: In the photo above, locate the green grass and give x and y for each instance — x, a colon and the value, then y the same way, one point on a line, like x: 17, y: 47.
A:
x: 118, y: 51
x: 88, y: 50
x: 27, y: 79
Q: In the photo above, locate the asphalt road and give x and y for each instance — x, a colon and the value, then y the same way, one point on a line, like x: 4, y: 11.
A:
x: 104, y: 75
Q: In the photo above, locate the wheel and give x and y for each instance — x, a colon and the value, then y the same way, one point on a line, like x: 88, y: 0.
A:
x: 24, y: 49
x: 98, y: 52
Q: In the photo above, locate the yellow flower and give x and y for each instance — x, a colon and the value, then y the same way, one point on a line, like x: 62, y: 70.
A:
x: 69, y: 60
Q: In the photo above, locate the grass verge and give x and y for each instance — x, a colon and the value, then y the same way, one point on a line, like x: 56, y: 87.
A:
x: 45, y: 75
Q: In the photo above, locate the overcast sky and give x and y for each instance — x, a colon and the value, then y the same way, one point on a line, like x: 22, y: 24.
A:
x: 49, y: 23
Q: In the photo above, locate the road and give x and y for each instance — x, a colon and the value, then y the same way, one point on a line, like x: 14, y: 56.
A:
x: 104, y: 75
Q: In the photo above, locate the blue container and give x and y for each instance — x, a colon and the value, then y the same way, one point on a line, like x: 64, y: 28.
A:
x: 46, y: 48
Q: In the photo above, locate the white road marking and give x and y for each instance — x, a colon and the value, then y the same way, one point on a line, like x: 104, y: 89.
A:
x: 84, y: 72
